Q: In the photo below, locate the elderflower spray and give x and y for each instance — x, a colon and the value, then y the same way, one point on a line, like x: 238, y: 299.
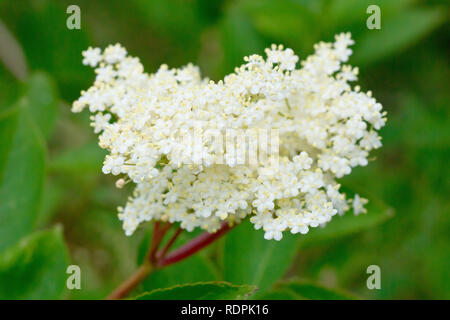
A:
x: 158, y: 128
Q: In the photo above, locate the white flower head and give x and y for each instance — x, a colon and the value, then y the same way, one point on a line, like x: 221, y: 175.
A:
x: 160, y: 130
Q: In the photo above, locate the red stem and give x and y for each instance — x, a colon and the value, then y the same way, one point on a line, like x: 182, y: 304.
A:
x: 192, y: 246
x: 169, y: 244
x: 160, y: 260
x: 125, y: 288
x: 158, y: 234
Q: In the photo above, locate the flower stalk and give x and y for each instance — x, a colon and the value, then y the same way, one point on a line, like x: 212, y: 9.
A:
x: 158, y: 259
x: 193, y: 246
x: 126, y: 287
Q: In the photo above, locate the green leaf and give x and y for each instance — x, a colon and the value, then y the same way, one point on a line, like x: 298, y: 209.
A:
x: 348, y: 224
x: 397, y: 33
x: 41, y: 100
x: 51, y: 199
x: 308, y: 290
x: 201, y: 291
x: 22, y: 166
x: 35, y: 268
x: 9, y: 89
x: 250, y: 259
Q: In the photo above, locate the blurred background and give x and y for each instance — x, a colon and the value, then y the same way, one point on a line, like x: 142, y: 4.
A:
x: 405, y: 64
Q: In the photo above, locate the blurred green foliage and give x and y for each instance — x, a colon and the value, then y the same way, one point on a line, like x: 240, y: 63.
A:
x: 28, y: 264
x: 50, y: 166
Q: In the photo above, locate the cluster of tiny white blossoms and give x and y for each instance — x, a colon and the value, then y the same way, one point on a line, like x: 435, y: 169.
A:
x: 325, y: 127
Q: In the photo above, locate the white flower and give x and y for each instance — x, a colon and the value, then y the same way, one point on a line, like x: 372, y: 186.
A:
x: 274, y: 229
x: 285, y: 58
x: 114, y: 53
x: 302, y: 161
x: 92, y: 56
x: 158, y: 128
x: 371, y: 140
x: 358, y: 205
x: 100, y: 121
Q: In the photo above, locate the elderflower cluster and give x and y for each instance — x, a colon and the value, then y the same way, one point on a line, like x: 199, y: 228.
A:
x: 325, y: 128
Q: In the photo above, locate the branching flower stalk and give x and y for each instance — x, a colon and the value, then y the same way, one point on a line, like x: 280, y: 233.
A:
x: 158, y: 259
x: 326, y: 126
